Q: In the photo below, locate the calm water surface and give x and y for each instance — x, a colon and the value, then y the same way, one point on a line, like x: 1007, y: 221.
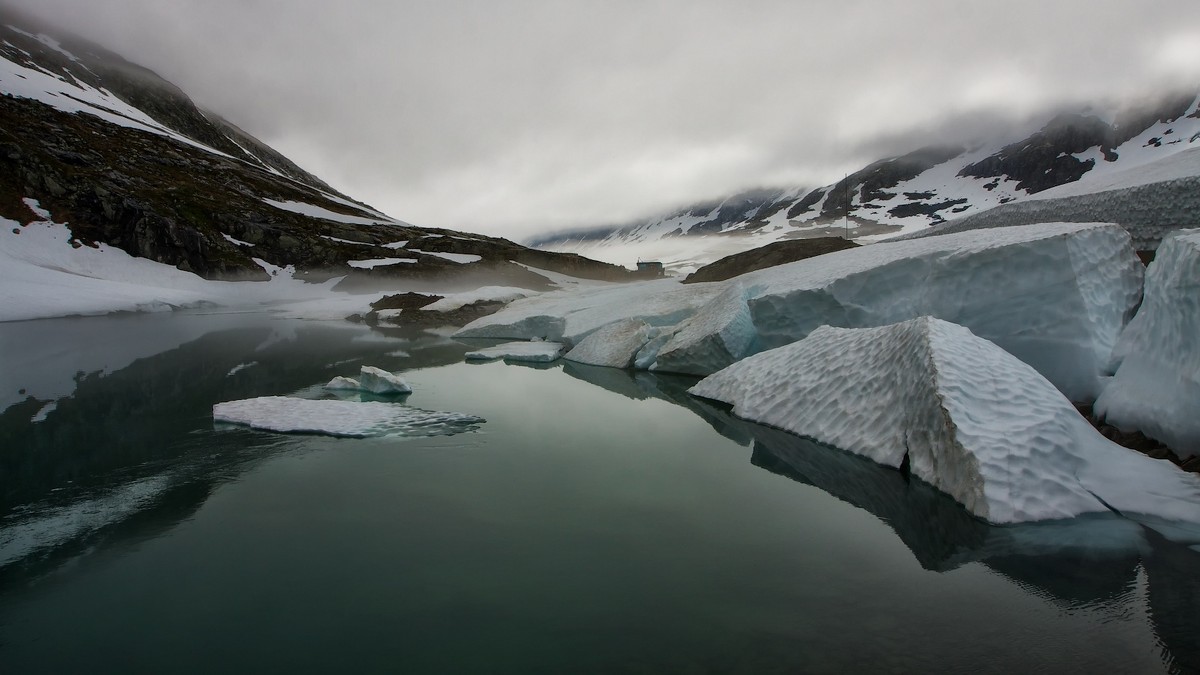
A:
x: 597, y: 522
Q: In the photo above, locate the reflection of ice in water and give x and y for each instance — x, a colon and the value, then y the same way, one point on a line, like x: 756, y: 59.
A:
x: 354, y: 419
x: 57, y: 525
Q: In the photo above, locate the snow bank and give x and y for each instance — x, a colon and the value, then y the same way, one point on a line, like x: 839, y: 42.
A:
x: 314, y: 211
x: 614, y: 345
x: 341, y: 418
x: 530, y: 352
x: 372, y: 263
x: 455, y: 301
x: 460, y: 258
x: 1157, y: 385
x: 966, y: 416
x: 570, y: 315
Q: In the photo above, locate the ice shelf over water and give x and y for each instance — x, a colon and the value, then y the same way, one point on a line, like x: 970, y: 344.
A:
x: 351, y: 419
x: 1055, y: 295
x: 1156, y: 389
x: 967, y: 417
x: 614, y: 345
x: 530, y: 352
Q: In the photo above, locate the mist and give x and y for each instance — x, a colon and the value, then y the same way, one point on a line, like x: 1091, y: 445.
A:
x: 522, y: 117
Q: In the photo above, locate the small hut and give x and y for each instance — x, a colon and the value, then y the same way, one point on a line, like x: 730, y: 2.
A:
x: 651, y: 269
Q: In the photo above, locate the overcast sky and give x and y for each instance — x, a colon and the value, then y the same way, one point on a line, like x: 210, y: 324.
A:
x: 513, y: 117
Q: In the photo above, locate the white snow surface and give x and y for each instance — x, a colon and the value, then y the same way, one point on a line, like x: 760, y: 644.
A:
x: 974, y: 422
x: 378, y: 262
x: 1056, y: 295
x: 1156, y: 388
x: 614, y: 345
x: 353, y: 419
x: 380, y: 381
x: 314, y: 211
x: 460, y: 258
x: 455, y: 301
x: 531, y: 352
x: 570, y: 315
x: 237, y: 242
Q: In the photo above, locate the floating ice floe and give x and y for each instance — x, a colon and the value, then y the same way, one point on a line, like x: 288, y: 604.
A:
x: 1157, y: 384
x: 379, y: 381
x: 353, y: 419
x: 1055, y: 295
x: 373, y: 380
x: 964, y: 416
x: 531, y: 352
x: 340, y: 383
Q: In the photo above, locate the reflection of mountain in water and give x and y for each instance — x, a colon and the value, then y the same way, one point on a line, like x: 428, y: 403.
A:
x: 1077, y: 563
x: 127, y: 453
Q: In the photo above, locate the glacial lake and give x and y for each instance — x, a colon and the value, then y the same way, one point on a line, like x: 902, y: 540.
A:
x: 597, y: 522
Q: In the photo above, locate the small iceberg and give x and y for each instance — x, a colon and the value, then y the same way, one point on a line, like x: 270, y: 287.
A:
x: 349, y: 419
x: 530, y: 352
x: 373, y: 380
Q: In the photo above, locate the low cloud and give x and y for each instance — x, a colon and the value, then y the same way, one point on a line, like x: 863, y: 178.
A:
x: 517, y: 117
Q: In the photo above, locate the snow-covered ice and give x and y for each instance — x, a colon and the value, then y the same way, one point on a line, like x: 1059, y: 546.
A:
x: 380, y: 381
x: 1157, y: 385
x: 1056, y: 295
x: 718, y: 334
x: 340, y: 383
x: 969, y: 419
x: 531, y: 352
x: 353, y: 419
x: 614, y: 345
x: 570, y: 315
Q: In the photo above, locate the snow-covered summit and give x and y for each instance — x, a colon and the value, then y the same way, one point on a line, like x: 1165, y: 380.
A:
x: 1070, y: 155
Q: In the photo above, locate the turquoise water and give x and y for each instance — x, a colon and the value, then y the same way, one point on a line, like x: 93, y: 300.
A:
x: 596, y: 522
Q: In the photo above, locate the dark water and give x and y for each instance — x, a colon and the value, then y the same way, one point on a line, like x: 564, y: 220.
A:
x: 597, y: 522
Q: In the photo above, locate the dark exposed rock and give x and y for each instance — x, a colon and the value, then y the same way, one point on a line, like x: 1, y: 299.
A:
x: 166, y: 200
x: 418, y: 318
x: 405, y: 301
x: 1046, y: 159
x: 777, y: 253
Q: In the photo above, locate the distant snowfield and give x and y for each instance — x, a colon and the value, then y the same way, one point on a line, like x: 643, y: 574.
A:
x: 314, y: 211
x: 42, y: 276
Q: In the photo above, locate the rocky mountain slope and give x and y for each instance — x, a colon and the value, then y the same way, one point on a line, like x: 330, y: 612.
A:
x: 125, y: 158
x: 1082, y: 153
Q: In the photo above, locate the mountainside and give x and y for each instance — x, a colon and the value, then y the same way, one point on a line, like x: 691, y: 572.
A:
x: 124, y: 158
x: 1073, y: 153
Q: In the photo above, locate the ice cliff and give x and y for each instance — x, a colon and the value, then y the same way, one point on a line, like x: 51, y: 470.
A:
x: 1157, y: 385
x: 1054, y: 295
x: 963, y: 415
